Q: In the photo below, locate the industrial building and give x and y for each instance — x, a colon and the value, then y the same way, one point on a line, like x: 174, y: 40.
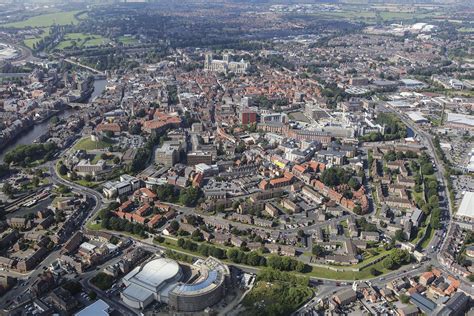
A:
x: 417, y: 117
x: 466, y: 209
x: 460, y: 121
x: 423, y: 303
x: 161, y: 279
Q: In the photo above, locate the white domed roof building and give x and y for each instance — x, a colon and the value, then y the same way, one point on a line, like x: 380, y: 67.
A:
x: 149, y: 281
x: 160, y: 279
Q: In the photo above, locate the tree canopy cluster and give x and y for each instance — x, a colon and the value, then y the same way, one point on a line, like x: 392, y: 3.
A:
x: 396, y: 259
x: 236, y: 255
x: 365, y: 225
x: 394, y: 129
x: 171, y: 194
x: 26, y: 154
x: 140, y: 161
x: 277, y: 293
x: 103, y: 281
x: 118, y: 224
x: 203, y: 249
x: 4, y: 170
x: 335, y: 176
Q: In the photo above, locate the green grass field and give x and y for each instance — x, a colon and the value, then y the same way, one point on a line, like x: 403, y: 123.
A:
x: 466, y: 30
x: 96, y: 158
x: 429, y: 235
x: 93, y: 226
x: 127, y: 40
x: 87, y: 144
x: 355, y: 14
x: 30, y: 42
x: 347, y: 275
x: 46, y: 20
x: 81, y: 40
x: 86, y: 183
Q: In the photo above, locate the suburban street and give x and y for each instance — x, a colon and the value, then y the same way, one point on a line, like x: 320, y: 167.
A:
x: 19, y: 293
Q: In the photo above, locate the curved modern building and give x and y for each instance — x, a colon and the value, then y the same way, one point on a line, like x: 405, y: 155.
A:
x: 160, y: 280
x: 150, y: 282
x: 208, y: 288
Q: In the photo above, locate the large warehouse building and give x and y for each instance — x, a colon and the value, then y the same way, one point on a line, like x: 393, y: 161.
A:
x: 460, y: 121
x: 466, y: 209
x: 161, y: 279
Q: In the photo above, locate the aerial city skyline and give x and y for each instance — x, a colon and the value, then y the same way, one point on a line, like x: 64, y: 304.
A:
x: 236, y: 157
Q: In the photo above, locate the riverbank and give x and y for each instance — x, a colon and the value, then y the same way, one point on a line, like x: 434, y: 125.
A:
x: 37, y: 129
x: 32, y: 133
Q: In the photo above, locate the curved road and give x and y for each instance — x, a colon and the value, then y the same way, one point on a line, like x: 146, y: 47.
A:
x: 96, y: 196
x: 19, y: 292
x: 440, y: 170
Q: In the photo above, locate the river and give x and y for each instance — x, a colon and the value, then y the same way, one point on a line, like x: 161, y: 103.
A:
x: 99, y: 86
x: 40, y: 129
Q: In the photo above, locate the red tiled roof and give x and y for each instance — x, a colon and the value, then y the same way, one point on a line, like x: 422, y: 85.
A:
x: 143, y: 209
x: 147, y: 192
x: 155, y: 219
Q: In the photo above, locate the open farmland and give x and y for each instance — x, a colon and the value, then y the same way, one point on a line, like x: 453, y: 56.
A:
x: 46, y: 20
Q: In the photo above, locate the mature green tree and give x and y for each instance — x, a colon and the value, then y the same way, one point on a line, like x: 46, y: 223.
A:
x: 405, y: 299
x: 318, y: 250
x: 354, y: 184
x: 174, y: 225
x: 8, y: 189
x: 374, y: 271
x: 388, y: 263
x: 399, y: 235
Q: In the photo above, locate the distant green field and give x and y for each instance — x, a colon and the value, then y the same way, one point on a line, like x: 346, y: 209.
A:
x: 30, y: 42
x: 127, y: 40
x: 363, y: 15
x: 81, y: 40
x: 466, y: 30
x: 349, y: 14
x: 46, y: 20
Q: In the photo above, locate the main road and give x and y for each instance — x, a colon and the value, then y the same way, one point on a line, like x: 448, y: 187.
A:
x: 91, y: 193
x: 445, y: 198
